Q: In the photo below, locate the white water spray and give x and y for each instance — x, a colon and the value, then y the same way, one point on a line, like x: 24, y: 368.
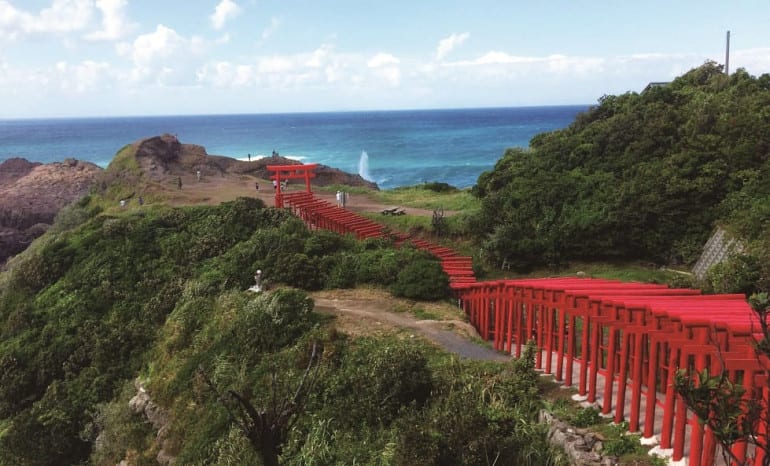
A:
x: 363, y: 166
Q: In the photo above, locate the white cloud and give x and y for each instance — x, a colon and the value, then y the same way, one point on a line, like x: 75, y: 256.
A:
x: 382, y: 59
x: 385, y: 67
x: 164, y: 56
x: 319, y: 56
x: 276, y: 64
x: 556, y: 63
x: 115, y: 24
x: 390, y: 74
x: 62, y: 16
x: 226, y: 74
x: 225, y: 11
x: 84, y: 76
x: 275, y: 23
x: 448, y: 44
x: 495, y: 58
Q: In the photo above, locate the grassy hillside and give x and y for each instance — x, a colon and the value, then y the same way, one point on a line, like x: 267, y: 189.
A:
x: 157, y: 293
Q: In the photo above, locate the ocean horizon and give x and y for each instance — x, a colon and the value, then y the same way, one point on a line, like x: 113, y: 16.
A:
x: 390, y: 147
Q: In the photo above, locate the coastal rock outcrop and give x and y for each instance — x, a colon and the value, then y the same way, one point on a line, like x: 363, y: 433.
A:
x: 32, y: 193
x: 165, y: 156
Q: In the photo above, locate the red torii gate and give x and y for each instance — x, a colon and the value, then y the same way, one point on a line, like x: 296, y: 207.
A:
x: 636, y: 335
x: 290, y: 172
x: 633, y: 334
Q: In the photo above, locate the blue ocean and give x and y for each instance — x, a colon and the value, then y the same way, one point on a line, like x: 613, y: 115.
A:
x: 391, y: 148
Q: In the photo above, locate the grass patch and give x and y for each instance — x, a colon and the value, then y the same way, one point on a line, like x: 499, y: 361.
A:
x: 626, y: 272
x: 403, y: 223
x: 124, y: 161
x: 333, y: 188
x: 422, y: 198
x: 422, y: 314
x: 418, y: 312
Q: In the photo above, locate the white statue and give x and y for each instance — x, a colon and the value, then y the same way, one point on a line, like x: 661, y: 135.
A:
x: 257, y: 287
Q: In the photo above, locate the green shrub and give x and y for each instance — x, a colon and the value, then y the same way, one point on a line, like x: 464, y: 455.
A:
x: 342, y: 271
x: 273, y: 320
x: 422, y: 279
x: 621, y: 445
x: 296, y: 270
x: 439, y: 187
x: 738, y: 274
x: 586, y: 417
x: 387, y: 375
x: 120, y: 430
x: 326, y: 243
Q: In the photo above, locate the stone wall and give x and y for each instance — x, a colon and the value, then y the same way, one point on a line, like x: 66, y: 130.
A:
x: 582, y: 446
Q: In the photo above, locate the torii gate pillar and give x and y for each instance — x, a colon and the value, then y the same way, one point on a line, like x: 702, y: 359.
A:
x: 290, y: 172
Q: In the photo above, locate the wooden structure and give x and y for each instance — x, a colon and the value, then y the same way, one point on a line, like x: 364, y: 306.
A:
x: 290, y: 172
x: 610, y: 339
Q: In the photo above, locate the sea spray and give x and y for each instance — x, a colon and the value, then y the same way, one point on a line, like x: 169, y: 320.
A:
x: 363, y: 166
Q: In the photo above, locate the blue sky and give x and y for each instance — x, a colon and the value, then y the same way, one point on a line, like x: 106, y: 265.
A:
x: 168, y: 57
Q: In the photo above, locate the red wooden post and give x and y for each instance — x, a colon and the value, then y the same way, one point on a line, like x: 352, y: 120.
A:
x: 620, y: 404
x: 636, y: 381
x: 511, y: 314
x: 572, y: 321
x: 561, y: 322
x: 668, y: 407
x: 609, y: 377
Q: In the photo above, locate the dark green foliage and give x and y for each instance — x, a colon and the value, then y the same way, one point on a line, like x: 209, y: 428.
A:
x: 639, y: 176
x: 160, y: 293
x: 738, y: 274
x: 622, y: 445
x: 273, y: 321
x: 375, y: 381
x: 439, y: 187
x: 478, y: 415
x: 586, y: 417
x: 422, y: 278
x: 79, y: 315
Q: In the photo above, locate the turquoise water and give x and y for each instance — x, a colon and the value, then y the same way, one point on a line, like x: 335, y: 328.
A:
x: 392, y: 148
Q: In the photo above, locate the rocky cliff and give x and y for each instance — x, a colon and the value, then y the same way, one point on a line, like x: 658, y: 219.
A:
x: 32, y: 193
x: 162, y: 156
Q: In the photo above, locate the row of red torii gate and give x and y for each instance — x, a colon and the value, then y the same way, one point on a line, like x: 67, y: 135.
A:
x: 618, y: 344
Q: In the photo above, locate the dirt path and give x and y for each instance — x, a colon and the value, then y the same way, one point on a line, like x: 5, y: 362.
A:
x: 375, y: 312
x: 212, y: 190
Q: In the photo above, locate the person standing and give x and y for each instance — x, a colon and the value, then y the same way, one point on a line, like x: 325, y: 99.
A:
x: 179, y: 182
x: 198, y: 174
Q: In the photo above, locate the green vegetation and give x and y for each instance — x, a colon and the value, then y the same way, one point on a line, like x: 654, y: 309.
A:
x: 428, y: 196
x: 640, y: 176
x: 157, y: 294
x: 107, y: 297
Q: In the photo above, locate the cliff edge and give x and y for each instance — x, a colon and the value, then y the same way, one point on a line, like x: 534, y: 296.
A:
x: 32, y: 193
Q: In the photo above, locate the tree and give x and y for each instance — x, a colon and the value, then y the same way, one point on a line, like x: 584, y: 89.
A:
x: 267, y: 427
x: 722, y: 405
